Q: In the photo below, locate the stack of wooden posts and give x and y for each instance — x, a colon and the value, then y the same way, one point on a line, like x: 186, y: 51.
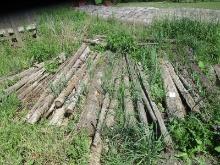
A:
x: 55, y: 94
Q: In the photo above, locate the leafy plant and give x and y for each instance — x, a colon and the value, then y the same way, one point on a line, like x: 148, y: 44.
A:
x: 51, y: 66
x: 121, y: 42
x: 191, y: 136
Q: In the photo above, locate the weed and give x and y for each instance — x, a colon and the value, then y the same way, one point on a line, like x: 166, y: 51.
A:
x: 121, y: 42
x: 51, y: 66
x: 79, y: 149
x: 191, y: 136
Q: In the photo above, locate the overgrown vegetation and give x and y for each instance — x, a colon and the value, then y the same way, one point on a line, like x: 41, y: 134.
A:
x: 62, y: 29
x: 172, y: 4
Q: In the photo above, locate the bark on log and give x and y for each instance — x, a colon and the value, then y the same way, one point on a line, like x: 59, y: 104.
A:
x: 102, y: 116
x: 21, y: 75
x: 58, y: 116
x: 59, y: 101
x: 186, y: 95
x: 29, y: 89
x: 217, y: 70
x: 88, y: 119
x: 163, y: 129
x: 69, y: 65
x: 74, y: 99
x: 142, y: 112
x: 25, y: 80
x: 173, y: 101
x: 134, y: 75
x: 38, y: 112
x: 128, y: 104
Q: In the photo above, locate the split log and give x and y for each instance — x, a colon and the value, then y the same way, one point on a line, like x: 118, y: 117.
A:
x: 128, y: 104
x: 38, y: 112
x: 186, y: 95
x: 88, y: 119
x: 173, y: 101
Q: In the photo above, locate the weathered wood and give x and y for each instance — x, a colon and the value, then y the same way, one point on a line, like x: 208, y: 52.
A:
x: 58, y: 116
x: 59, y: 101
x: 28, y: 89
x: 25, y: 80
x: 217, y: 70
x: 51, y: 97
x: 20, y: 75
x: 128, y: 104
x: 151, y: 106
x: 65, y: 68
x: 89, y: 116
x: 102, y: 116
x: 163, y: 129
x: 142, y: 113
x: 110, y: 117
x: 134, y: 76
x: 95, y: 42
x: 185, y: 94
x: 95, y: 154
x: 173, y: 101
x: 74, y: 99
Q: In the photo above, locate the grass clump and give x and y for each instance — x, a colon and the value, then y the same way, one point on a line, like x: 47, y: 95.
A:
x: 132, y: 146
x: 202, y: 37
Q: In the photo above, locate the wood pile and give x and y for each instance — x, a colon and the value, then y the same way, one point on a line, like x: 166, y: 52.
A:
x: 56, y: 96
x: 14, y: 33
x: 176, y: 93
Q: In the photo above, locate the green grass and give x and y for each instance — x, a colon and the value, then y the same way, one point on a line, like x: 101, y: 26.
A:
x: 62, y: 30
x: 202, y: 5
